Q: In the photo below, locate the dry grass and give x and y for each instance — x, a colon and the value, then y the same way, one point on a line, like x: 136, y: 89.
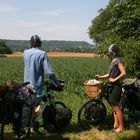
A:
x: 57, y: 54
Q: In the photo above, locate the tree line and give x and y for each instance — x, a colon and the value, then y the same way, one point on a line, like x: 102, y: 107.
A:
x: 4, y: 49
x: 54, y: 45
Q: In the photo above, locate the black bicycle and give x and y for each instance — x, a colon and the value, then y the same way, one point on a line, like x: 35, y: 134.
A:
x: 51, y: 115
x: 55, y: 115
x: 94, y: 112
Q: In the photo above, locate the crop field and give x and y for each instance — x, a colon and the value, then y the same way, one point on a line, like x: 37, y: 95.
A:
x: 74, y: 71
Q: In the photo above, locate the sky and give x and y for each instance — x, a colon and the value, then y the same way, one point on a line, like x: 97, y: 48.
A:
x: 50, y: 19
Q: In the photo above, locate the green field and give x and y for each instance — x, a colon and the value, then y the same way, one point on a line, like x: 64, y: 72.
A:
x: 74, y: 71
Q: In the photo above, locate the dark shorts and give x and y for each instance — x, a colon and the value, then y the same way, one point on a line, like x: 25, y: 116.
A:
x: 115, y: 94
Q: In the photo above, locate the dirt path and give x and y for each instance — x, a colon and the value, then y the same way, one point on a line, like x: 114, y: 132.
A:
x: 57, y: 54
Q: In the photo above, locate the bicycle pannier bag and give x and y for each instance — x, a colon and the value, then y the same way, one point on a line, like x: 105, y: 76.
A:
x: 58, y: 118
x: 62, y: 117
x: 1, y: 111
x: 132, y: 91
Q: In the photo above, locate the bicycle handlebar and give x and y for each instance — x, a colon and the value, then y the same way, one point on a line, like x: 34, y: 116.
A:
x: 51, y: 86
x: 24, y: 84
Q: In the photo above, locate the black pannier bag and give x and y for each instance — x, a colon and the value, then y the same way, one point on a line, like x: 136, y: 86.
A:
x: 1, y: 110
x: 18, y: 99
x: 62, y: 117
x: 132, y: 91
x: 57, y: 118
x: 8, y: 93
x: 3, y: 90
x: 137, y: 85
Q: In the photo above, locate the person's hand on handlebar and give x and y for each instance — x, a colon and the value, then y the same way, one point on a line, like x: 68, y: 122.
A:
x: 102, y: 76
x: 61, y: 85
x: 97, y: 76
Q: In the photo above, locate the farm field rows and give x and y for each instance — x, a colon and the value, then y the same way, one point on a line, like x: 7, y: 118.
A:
x: 74, y: 71
x: 57, y: 54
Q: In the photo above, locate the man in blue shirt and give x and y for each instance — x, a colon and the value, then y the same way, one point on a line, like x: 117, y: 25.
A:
x: 36, y: 65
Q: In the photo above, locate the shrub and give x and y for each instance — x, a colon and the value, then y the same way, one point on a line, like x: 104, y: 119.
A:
x: 4, y: 49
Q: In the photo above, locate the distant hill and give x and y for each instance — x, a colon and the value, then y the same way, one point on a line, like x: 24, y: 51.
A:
x: 53, y: 45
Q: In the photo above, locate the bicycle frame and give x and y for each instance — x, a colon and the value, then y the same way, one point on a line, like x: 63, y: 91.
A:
x: 49, y: 100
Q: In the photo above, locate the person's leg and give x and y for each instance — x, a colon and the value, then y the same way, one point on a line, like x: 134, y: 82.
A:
x: 116, y: 123
x: 39, y: 95
x: 119, y: 118
x: 28, y: 114
x: 114, y: 99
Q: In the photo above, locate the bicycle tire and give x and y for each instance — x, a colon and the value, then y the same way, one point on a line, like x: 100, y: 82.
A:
x: 88, y: 119
x: 59, y: 104
x: 6, y: 130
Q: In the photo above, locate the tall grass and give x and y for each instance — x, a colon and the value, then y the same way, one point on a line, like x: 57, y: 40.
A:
x: 73, y: 70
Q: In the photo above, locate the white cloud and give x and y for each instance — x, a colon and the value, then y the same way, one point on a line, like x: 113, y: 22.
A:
x: 45, y: 30
x: 6, y: 8
x: 44, y: 26
x: 50, y: 13
x: 30, y: 24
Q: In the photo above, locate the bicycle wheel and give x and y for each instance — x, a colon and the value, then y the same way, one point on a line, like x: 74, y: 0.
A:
x: 6, y: 130
x: 59, y: 104
x: 91, y: 114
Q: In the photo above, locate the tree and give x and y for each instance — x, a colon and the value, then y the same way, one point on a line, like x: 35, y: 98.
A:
x: 4, y: 49
x: 119, y: 23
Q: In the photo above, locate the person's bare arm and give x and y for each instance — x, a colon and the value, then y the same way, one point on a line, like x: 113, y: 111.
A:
x: 102, y: 76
